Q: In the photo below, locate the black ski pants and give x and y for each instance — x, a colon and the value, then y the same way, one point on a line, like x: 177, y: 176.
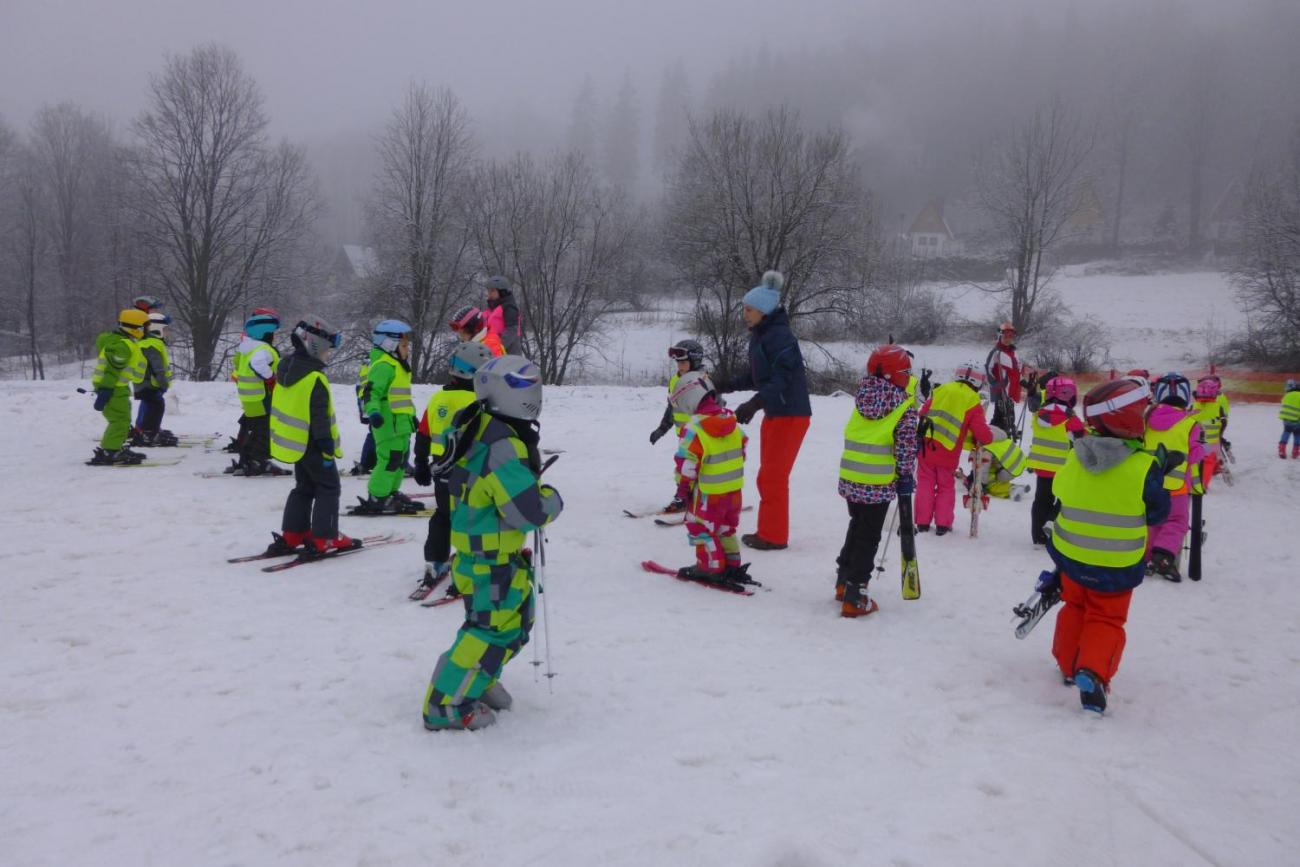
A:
x: 255, y: 448
x: 437, y: 545
x: 152, y: 406
x: 314, y: 501
x: 857, y: 560
x: 1043, y: 510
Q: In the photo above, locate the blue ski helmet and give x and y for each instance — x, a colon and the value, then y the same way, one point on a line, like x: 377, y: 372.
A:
x: 1173, y: 389
x: 388, y: 334
x: 261, y: 325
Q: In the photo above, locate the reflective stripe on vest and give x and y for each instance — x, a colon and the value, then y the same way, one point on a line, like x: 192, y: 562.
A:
x: 133, y: 371
x: 679, y: 418
x: 156, y: 344
x: 291, y: 418
x: 868, y: 457
x: 1177, y: 438
x: 1102, y: 521
x: 1050, y: 445
x: 1211, y: 422
x: 722, y: 468
x: 251, y: 387
x: 1008, y: 455
x: 948, y: 407
x: 1290, y: 411
x: 399, y: 389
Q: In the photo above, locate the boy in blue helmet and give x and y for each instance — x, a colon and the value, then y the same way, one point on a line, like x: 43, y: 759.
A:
x: 390, y: 411
x: 254, y: 375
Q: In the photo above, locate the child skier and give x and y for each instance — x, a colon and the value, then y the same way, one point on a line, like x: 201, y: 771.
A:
x: 469, y: 324
x: 366, y: 462
x: 1173, y: 425
x: 1212, y: 415
x: 1290, y: 415
x: 151, y: 390
x: 1001, y: 462
x: 304, y: 433
x: 120, y: 366
x: 688, y: 355
x: 955, y: 420
x: 1055, y: 427
x: 255, y: 366
x: 496, y: 499
x: 1110, y: 491
x: 711, y: 474
x: 390, y: 413
x: 431, y: 442
x: 878, y: 463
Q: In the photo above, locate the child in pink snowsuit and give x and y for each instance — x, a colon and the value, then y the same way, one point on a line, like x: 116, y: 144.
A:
x: 712, y: 453
x: 1172, y: 425
x: 956, y: 419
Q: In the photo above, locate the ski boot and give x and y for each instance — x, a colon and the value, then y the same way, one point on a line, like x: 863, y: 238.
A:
x: 677, y: 506
x: 434, y: 574
x: 287, y: 543
x: 860, y: 607
x: 497, y: 698
x: 322, y: 547
x: 922, y: 528
x: 232, y: 447
x: 1164, y: 565
x: 235, y: 468
x: 1281, y: 450
x: 1092, y: 692
x: 166, y: 439
x: 477, y: 716
x: 369, y: 505
x: 1295, y: 452
x: 112, y: 457
x: 139, y: 438
x: 738, y: 573
x: 358, y: 470
x: 695, y: 573
x: 134, y: 456
x: 942, y: 531
x: 405, y: 503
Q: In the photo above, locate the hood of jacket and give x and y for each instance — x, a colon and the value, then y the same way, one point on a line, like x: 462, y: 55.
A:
x: 779, y: 316
x: 293, y: 368
x: 714, y: 420
x: 1053, y: 414
x: 1164, y: 416
x: 107, y: 339
x: 1098, y: 454
x: 878, y: 397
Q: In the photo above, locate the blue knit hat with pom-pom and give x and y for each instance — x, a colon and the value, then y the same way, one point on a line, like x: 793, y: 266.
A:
x: 766, y: 296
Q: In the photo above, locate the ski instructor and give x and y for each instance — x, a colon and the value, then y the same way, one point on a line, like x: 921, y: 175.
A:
x: 776, y: 373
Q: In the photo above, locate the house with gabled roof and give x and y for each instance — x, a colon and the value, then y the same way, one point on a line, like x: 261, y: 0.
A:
x: 930, y: 236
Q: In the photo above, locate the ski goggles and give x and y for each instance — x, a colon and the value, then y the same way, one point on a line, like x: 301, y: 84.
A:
x: 679, y: 353
x: 462, y: 366
x: 335, y: 339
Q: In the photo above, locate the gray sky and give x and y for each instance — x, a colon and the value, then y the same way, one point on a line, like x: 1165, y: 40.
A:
x: 329, y: 64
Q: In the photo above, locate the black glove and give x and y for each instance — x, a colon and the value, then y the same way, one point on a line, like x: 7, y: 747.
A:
x: 423, y: 475
x: 925, y: 382
x: 102, y: 397
x: 745, y: 412
x: 657, y: 434
x: 1173, y: 458
x: 905, y: 485
x: 550, y: 490
x: 376, y: 419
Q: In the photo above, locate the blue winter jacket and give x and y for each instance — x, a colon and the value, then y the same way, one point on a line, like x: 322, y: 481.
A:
x: 776, y: 369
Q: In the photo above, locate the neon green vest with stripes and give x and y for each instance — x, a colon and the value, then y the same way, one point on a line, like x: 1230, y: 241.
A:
x: 1049, y: 446
x: 948, y: 407
x: 291, y: 418
x: 681, y: 419
x: 1290, y: 411
x: 722, y: 466
x: 442, y: 408
x: 252, y: 388
x: 157, y: 344
x: 107, y: 376
x: 868, y: 457
x: 1174, y: 439
x: 399, y: 390
x: 1102, y: 521
x: 1008, y: 455
x: 1208, y: 416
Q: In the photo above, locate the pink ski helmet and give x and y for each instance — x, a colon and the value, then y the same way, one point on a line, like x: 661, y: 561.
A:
x: 1061, y: 389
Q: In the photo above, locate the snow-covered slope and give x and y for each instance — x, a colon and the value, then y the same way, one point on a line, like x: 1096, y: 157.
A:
x: 164, y: 707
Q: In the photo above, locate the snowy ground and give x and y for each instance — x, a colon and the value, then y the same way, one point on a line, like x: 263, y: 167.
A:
x: 164, y: 707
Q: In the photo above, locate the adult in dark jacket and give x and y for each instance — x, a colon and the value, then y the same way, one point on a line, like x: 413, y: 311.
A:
x: 776, y: 373
x: 502, y: 315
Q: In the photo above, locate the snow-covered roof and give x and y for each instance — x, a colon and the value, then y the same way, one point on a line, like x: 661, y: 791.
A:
x: 930, y: 221
x: 362, y: 259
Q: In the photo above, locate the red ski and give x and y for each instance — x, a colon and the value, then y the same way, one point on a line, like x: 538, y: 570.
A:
x: 365, y: 540
x: 300, y: 560
x: 724, y: 586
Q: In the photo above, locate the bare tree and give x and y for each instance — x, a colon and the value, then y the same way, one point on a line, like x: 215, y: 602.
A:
x: 1029, y: 188
x: 27, y: 249
x: 1203, y: 95
x: 1267, y: 276
x: 217, y: 205
x: 424, y: 246
x: 749, y: 194
x: 563, y: 240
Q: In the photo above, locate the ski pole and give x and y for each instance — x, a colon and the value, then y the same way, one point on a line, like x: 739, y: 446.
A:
x: 539, y: 576
x: 889, y: 534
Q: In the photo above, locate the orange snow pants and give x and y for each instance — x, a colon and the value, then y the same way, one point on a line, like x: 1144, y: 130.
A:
x: 781, y: 438
x: 1209, y: 466
x: 1090, y: 629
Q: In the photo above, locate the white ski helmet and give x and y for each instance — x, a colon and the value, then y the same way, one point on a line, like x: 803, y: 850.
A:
x: 388, y: 335
x: 691, y: 388
x: 158, y: 323
x: 468, y: 358
x: 318, y: 338
x: 510, y: 386
x: 971, y: 373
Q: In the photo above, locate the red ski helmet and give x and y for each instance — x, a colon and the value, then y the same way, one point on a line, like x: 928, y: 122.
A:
x: 1118, y: 408
x: 468, y: 318
x: 891, y: 362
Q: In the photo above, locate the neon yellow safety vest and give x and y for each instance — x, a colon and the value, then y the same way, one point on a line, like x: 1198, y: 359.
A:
x: 679, y: 418
x: 362, y: 374
x: 912, y: 383
x: 1102, y: 521
x: 442, y: 408
x: 1008, y: 455
x: 868, y: 457
x: 1049, y: 446
x: 133, y: 371
x: 948, y: 407
x: 252, y: 388
x: 399, y: 390
x: 1177, y: 438
x: 1290, y: 411
x: 157, y: 344
x: 291, y: 419
x: 722, y: 466
x: 1211, y: 422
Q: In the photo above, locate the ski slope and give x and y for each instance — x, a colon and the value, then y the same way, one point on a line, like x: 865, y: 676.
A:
x: 164, y: 707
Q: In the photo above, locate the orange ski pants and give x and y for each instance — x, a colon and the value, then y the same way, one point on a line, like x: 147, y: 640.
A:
x: 1090, y: 629
x: 781, y: 438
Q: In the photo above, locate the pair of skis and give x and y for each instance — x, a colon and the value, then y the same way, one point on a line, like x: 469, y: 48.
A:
x: 910, y: 573
x: 303, y: 555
